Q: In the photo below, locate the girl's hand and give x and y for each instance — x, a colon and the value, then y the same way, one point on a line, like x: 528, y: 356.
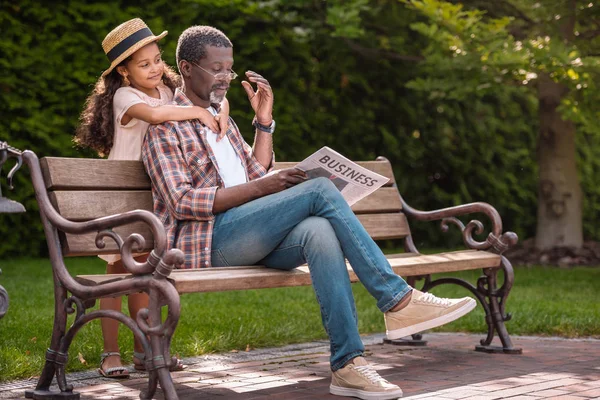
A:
x: 223, y: 118
x: 207, y: 119
x: 223, y: 121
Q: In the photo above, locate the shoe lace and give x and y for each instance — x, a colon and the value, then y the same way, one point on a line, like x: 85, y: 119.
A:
x: 431, y: 299
x: 368, y: 372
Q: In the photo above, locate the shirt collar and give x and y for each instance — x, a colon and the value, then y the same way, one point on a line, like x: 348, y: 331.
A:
x: 181, y: 99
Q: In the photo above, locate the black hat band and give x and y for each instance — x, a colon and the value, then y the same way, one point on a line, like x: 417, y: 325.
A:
x: 126, y: 43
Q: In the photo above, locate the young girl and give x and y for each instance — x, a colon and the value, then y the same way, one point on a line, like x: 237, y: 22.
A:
x: 134, y: 92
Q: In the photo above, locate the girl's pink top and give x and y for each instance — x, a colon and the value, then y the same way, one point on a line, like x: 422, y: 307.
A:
x: 127, y: 143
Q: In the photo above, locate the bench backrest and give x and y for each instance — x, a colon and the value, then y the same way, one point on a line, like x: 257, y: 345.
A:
x: 82, y: 189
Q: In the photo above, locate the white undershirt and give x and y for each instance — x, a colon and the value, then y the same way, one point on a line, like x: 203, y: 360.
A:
x: 229, y: 164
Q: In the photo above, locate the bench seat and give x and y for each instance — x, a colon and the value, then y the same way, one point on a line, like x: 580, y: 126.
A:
x: 220, y: 279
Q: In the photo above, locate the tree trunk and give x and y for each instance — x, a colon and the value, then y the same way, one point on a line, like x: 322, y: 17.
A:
x: 559, y: 217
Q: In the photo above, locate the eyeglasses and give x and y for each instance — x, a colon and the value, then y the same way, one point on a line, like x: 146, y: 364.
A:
x: 221, y: 76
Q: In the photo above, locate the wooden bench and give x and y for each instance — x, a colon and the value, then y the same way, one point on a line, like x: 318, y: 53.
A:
x: 92, y: 207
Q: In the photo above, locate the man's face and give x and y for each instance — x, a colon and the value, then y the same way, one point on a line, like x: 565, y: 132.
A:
x: 211, y: 75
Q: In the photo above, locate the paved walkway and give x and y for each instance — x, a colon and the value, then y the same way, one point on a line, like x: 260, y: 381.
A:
x: 447, y: 368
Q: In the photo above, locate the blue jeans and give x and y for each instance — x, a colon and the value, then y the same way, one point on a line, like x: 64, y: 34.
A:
x: 312, y: 223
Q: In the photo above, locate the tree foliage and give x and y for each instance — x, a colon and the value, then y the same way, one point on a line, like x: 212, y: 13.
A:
x: 357, y: 76
x: 525, y: 42
x: 476, y: 50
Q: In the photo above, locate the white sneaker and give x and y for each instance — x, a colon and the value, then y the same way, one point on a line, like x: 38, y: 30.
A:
x: 361, y: 380
x: 425, y: 311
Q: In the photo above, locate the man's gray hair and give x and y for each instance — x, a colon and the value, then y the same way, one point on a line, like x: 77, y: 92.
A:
x: 192, y: 42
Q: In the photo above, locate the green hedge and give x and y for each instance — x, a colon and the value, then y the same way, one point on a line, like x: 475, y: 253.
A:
x: 326, y: 93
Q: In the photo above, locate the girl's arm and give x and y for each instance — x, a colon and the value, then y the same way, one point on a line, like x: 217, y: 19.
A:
x: 157, y: 115
x: 223, y: 118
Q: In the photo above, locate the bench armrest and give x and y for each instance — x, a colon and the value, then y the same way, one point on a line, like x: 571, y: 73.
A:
x: 160, y: 263
x: 497, y: 241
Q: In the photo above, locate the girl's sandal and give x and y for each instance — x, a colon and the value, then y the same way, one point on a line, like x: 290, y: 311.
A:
x: 139, y: 363
x: 112, y: 372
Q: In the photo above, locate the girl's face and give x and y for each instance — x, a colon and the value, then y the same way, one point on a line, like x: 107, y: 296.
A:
x: 145, y: 68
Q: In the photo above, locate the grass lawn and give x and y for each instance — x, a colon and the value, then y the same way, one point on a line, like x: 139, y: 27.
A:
x: 544, y: 301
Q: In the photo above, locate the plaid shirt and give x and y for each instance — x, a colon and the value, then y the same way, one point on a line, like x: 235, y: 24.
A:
x: 185, y: 177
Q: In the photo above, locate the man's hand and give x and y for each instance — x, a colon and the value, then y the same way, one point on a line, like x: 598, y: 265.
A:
x: 278, y: 180
x: 273, y: 182
x: 261, y: 100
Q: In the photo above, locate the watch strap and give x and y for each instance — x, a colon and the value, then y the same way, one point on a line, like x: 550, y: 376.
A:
x: 264, y: 128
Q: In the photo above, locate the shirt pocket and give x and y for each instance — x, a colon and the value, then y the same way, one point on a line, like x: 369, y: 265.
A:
x: 202, y: 170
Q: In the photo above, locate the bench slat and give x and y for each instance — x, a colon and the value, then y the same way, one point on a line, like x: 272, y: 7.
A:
x: 86, y: 205
x: 385, y: 199
x: 385, y: 226
x: 61, y: 173
x: 258, y: 277
x: 379, y: 227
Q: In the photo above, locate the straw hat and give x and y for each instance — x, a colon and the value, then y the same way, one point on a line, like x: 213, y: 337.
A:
x: 126, y: 39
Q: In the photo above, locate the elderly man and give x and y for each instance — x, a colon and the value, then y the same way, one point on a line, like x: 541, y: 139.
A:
x: 222, y: 205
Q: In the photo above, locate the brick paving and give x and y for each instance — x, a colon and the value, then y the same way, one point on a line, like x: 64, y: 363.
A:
x: 448, y: 368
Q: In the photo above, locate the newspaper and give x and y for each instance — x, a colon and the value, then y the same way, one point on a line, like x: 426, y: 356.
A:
x: 354, y: 181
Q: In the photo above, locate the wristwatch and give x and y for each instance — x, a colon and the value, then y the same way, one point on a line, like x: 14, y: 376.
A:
x: 264, y: 128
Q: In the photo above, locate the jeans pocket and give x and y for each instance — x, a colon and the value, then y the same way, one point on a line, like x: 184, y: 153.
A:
x: 217, y: 259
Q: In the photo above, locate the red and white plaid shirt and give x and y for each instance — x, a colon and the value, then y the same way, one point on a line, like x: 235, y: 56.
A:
x: 185, y: 177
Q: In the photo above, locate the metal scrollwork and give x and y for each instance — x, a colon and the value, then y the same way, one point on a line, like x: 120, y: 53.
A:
x: 79, y: 307
x: 491, y: 298
x: 497, y: 244
x: 133, y: 243
x: 496, y: 241
x: 502, y: 243
x: 110, y: 234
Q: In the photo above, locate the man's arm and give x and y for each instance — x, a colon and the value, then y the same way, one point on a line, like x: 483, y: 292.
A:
x: 226, y: 198
x: 261, y: 101
x: 263, y: 148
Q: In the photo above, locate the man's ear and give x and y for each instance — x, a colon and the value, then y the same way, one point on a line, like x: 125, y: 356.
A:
x: 185, y: 68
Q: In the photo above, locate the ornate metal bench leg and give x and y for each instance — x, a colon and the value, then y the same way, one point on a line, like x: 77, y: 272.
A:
x: 492, y: 300
x: 158, y: 373
x: 158, y: 362
x: 148, y: 392
x: 55, y: 359
x: 53, y: 367
x: 166, y: 383
x: 495, y: 314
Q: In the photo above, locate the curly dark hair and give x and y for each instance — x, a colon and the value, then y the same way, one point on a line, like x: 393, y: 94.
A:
x: 96, y: 129
x: 192, y: 42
